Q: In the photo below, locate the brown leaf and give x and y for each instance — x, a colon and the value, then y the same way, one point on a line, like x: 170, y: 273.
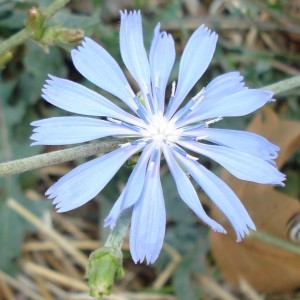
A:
x: 266, y: 267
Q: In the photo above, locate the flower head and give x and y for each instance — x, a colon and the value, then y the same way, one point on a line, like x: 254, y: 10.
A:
x: 177, y: 131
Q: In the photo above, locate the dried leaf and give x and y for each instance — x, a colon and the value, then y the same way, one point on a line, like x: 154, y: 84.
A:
x: 266, y: 267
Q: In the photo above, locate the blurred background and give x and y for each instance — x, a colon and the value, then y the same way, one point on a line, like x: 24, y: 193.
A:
x: 43, y: 254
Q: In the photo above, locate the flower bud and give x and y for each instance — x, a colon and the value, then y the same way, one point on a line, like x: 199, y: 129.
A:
x: 35, y: 22
x: 105, y: 265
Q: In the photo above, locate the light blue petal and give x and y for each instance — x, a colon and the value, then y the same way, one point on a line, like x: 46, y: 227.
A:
x: 244, y: 141
x: 99, y: 67
x: 238, y: 104
x: 161, y: 58
x: 219, y: 87
x: 133, y: 188
x: 187, y: 192
x: 242, y: 165
x: 194, y: 61
x: 72, y: 130
x: 78, y: 99
x: 85, y: 181
x: 148, y: 218
x: 132, y: 49
x: 225, y: 84
x: 221, y: 195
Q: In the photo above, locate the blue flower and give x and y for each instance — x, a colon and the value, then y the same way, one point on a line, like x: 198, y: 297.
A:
x: 177, y: 130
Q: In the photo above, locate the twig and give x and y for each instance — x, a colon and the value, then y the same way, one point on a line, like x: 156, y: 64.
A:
x: 54, y: 276
x: 6, y: 291
x: 15, y: 284
x: 168, y: 271
x: 60, y: 240
x: 249, y: 291
x: 48, y: 245
x: 214, y: 289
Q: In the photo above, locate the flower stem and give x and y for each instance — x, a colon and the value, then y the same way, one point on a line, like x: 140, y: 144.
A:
x: 56, y: 157
x: 116, y: 236
x: 15, y: 40
x: 284, y: 85
x: 23, y: 35
x: 105, y: 263
x: 53, y: 8
x: 275, y: 241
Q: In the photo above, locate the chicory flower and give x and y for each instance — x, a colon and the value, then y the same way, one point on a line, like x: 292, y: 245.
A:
x: 176, y: 130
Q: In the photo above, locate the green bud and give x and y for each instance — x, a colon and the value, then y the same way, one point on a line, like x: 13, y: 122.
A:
x: 35, y: 22
x: 60, y: 35
x: 105, y: 265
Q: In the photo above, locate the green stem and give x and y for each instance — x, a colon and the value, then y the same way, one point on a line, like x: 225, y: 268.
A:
x: 284, y: 85
x: 5, y: 146
x: 23, y: 35
x: 15, y: 40
x: 53, y: 8
x: 116, y: 236
x: 56, y: 157
x: 275, y: 241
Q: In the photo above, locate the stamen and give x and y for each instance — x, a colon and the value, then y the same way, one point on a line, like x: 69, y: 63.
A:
x: 213, y: 121
x: 192, y: 157
x: 203, y: 137
x: 173, y: 88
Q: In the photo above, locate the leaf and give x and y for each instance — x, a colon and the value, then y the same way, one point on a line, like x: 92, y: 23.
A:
x: 194, y: 262
x: 38, y: 65
x: 13, y: 228
x: 267, y: 268
x: 13, y: 135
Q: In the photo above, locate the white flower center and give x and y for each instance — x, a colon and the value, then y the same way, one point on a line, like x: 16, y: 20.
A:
x: 160, y: 129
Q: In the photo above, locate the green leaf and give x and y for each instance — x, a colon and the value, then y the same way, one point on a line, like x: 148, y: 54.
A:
x: 38, y: 65
x: 66, y: 19
x: 13, y: 227
x: 192, y: 264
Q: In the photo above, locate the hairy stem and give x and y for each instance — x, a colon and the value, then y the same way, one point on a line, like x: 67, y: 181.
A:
x: 56, y: 157
x: 53, y: 8
x: 284, y: 85
x: 116, y: 236
x: 275, y: 241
